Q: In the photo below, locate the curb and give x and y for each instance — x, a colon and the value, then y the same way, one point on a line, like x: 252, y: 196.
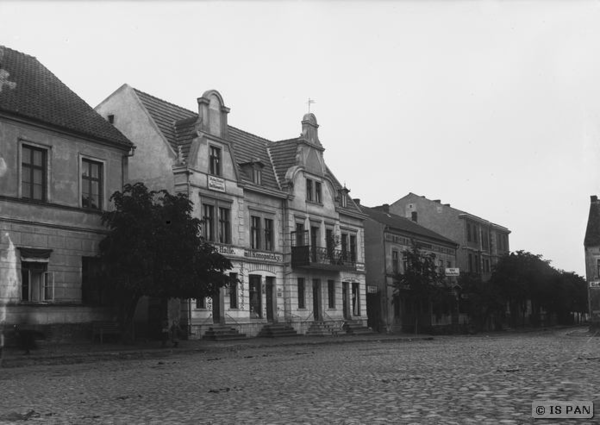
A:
x: 97, y: 356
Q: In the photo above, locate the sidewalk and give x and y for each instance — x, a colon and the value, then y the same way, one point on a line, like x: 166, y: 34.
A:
x: 52, y: 354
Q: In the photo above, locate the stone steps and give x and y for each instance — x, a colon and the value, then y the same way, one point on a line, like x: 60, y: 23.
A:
x: 357, y: 328
x: 277, y: 330
x: 222, y: 333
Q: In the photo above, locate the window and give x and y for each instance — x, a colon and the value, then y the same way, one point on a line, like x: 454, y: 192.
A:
x: 34, y: 168
x: 91, y: 184
x: 300, y: 235
x: 470, y: 263
x: 215, y: 161
x: 224, y: 226
x: 309, y: 190
x: 414, y: 217
x: 255, y: 297
x: 353, y: 248
x: 209, y: 222
x: 318, y: 192
x: 37, y: 284
x: 201, y: 303
x: 477, y: 265
x: 301, y: 293
x: 484, y: 240
x: 597, y: 268
x: 330, y: 242
x: 468, y: 232
x: 344, y: 240
x: 257, y: 175
x: 475, y: 233
x: 331, y: 293
x: 344, y: 199
x: 355, y: 299
x: 92, y: 291
x: 395, y: 262
x: 233, y: 290
x: 255, y: 233
x: 268, y: 234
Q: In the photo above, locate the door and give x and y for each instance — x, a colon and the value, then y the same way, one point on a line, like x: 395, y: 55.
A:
x: 270, y: 299
x: 255, y: 297
x: 217, y: 308
x: 345, y: 301
x: 317, y: 299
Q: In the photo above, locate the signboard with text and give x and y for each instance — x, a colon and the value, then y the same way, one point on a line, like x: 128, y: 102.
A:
x: 453, y: 271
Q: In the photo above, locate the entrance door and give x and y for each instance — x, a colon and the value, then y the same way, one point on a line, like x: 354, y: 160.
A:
x: 270, y: 298
x: 255, y: 297
x: 345, y: 303
x: 217, y: 308
x: 317, y: 299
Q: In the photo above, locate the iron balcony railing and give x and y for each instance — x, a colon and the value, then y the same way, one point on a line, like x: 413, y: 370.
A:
x: 308, y: 256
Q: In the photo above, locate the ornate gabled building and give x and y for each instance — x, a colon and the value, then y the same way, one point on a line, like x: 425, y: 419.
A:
x: 59, y: 163
x: 274, y: 209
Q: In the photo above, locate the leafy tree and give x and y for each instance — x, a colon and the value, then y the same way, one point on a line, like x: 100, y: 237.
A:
x: 154, y: 248
x: 481, y: 301
x: 420, y: 287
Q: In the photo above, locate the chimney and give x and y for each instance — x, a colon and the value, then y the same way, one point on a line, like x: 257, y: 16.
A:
x: 437, y: 201
x: 356, y: 200
x: 310, y: 131
x: 385, y: 208
x: 594, y: 198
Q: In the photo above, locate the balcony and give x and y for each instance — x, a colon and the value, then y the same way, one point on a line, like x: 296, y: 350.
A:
x: 320, y: 258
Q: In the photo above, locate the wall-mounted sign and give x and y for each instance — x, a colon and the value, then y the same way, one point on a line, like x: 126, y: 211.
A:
x: 452, y: 271
x: 360, y: 267
x: 371, y: 289
x: 229, y: 250
x: 595, y: 284
x: 262, y: 255
x: 216, y: 183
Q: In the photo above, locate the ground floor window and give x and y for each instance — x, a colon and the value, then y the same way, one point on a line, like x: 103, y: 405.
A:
x: 37, y: 284
x: 201, y: 303
x: 255, y: 297
x: 233, y: 290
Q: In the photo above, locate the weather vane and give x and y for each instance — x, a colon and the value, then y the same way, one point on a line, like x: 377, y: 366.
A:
x: 309, y: 102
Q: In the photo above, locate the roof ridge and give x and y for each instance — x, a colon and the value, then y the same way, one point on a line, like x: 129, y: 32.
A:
x: 18, y: 51
x: 164, y: 101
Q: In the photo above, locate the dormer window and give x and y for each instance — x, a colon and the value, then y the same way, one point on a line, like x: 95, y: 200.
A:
x: 215, y: 161
x: 253, y: 170
x: 344, y: 196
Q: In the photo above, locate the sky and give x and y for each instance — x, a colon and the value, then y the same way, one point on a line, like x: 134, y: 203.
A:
x: 491, y: 106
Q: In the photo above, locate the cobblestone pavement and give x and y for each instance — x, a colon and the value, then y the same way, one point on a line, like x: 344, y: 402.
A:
x: 449, y: 380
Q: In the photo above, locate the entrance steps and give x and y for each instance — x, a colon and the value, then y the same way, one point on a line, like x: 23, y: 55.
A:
x: 356, y: 328
x: 277, y: 330
x: 320, y: 328
x: 222, y: 333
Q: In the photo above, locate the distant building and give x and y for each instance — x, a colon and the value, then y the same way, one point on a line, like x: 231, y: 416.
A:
x: 481, y: 242
x: 591, y: 246
x: 387, y: 237
x: 274, y: 209
x: 59, y: 163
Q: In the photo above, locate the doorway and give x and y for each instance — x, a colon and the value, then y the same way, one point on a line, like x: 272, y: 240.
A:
x: 218, y: 308
x: 345, y: 301
x: 255, y: 297
x: 317, y: 299
x: 270, y: 299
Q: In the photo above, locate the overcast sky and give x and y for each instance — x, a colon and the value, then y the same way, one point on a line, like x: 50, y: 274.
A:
x: 491, y: 106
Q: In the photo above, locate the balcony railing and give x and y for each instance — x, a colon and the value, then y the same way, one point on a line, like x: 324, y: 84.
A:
x: 322, y: 258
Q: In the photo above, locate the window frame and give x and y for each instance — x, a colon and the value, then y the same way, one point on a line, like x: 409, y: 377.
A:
x: 309, y: 190
x: 224, y: 225
x: 45, y: 282
x: 318, y: 192
x: 31, y: 167
x: 331, y: 294
x: 85, y: 159
x: 255, y: 232
x: 269, y: 232
x: 301, y: 284
x: 215, y: 156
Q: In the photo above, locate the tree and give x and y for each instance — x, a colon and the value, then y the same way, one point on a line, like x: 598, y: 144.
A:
x: 421, y: 286
x: 481, y: 301
x: 154, y: 248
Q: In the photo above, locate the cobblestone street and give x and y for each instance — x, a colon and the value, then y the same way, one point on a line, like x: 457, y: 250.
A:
x: 449, y: 380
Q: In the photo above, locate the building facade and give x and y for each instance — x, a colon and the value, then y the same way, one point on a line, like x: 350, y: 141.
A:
x: 481, y: 242
x: 591, y: 245
x: 293, y: 235
x: 59, y: 163
x: 387, y: 237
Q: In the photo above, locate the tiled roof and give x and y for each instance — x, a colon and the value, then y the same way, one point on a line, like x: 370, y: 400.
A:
x: 592, y: 233
x: 165, y: 115
x: 403, y: 224
x: 283, y: 154
x: 248, y: 147
x: 29, y: 90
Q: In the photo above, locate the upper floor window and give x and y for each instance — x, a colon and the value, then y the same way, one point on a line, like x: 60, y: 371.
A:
x: 269, y: 234
x: 318, y: 192
x: 257, y: 175
x: 91, y: 184
x: 209, y: 222
x: 309, y: 190
x: 469, y: 237
x: 344, y: 200
x: 215, y: 161
x: 353, y: 248
x: 395, y: 262
x: 255, y: 232
x: 34, y: 168
x: 224, y: 225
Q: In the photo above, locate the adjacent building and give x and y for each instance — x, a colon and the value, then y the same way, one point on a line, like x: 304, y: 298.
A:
x: 59, y: 163
x: 387, y: 237
x: 481, y: 242
x: 293, y: 234
x: 591, y: 244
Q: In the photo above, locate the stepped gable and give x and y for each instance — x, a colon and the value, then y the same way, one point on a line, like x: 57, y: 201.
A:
x: 166, y: 116
x: 29, y: 90
x: 247, y: 148
x: 404, y: 224
x: 592, y: 232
